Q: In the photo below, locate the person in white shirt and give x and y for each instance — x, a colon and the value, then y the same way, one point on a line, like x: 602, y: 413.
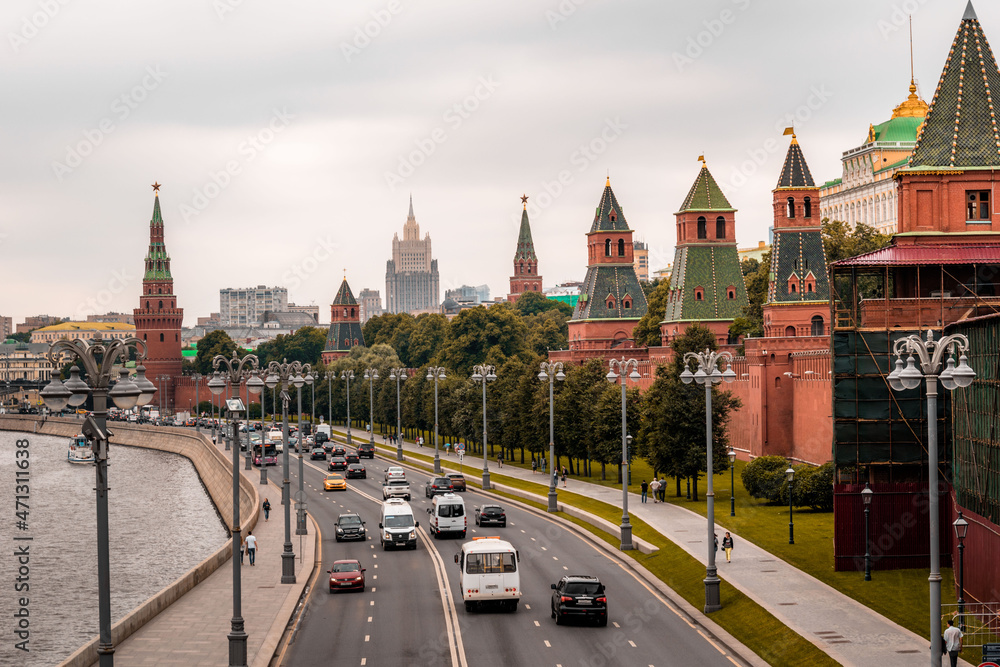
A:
x: 251, y: 547
x: 953, y: 642
x: 655, y: 488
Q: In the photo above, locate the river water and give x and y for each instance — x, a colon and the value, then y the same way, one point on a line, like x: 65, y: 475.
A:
x: 162, y: 523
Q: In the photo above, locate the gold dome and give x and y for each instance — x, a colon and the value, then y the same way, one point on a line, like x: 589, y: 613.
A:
x: 913, y: 107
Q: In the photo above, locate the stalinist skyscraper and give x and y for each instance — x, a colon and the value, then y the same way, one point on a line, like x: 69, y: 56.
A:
x: 412, y: 283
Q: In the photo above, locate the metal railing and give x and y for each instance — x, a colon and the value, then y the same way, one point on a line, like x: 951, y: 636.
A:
x: 981, y: 621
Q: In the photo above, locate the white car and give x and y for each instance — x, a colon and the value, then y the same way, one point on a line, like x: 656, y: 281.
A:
x: 394, y: 472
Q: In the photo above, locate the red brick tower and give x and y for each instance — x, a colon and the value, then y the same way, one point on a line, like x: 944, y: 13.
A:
x: 525, y: 278
x: 345, y: 325
x: 158, y: 319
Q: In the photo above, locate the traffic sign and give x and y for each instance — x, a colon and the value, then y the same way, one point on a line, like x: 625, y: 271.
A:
x: 459, y: 446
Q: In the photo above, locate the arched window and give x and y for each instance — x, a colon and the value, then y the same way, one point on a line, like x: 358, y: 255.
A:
x: 792, y: 288
x: 355, y: 341
x: 147, y: 305
x: 809, y: 287
x: 176, y: 338
x: 702, y: 227
x: 352, y: 312
x: 818, y: 329
x: 610, y: 302
x: 161, y: 338
x: 731, y: 293
x: 626, y: 303
x: 347, y: 342
x: 790, y: 208
x: 621, y: 247
x: 607, y: 247
x: 161, y: 304
x: 699, y: 294
x: 720, y: 227
x: 807, y: 208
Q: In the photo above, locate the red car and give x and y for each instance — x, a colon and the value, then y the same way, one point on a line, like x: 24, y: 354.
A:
x: 347, y: 575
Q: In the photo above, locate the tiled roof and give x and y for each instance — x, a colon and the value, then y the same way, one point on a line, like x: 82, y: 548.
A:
x: 961, y: 126
x: 705, y: 194
x: 795, y: 172
x: 525, y: 247
x: 609, y: 216
x: 342, y: 336
x: 907, y: 255
x: 713, y: 268
x: 614, y: 280
x: 157, y: 259
x: 796, y: 255
x: 344, y: 296
x: 902, y: 129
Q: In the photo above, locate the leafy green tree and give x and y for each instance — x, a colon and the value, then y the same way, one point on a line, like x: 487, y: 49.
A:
x: 547, y: 331
x: 22, y: 337
x: 304, y: 345
x: 841, y: 242
x: 574, y: 405
x: 426, y: 339
x: 214, y: 343
x: 647, y: 331
x: 533, y: 303
x: 480, y: 334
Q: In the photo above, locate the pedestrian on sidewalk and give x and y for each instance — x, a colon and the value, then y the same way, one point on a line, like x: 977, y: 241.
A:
x: 644, y: 487
x: 243, y: 546
x: 251, y: 547
x: 564, y: 477
x: 267, y: 509
x: 534, y: 465
x: 500, y: 459
x: 654, y: 486
x: 663, y: 489
x: 717, y: 543
x: 727, y: 545
x: 953, y: 642
x: 543, y: 464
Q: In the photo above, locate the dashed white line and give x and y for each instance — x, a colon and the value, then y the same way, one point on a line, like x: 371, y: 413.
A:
x: 555, y: 558
x: 547, y: 644
x: 522, y: 530
x: 370, y: 619
x: 537, y: 624
x: 631, y: 643
x: 544, y: 549
x: 527, y: 606
x: 368, y: 637
x: 364, y: 661
x: 372, y: 603
x: 565, y: 568
x: 615, y: 623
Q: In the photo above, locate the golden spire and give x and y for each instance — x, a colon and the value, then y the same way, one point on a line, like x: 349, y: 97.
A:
x: 704, y: 165
x: 791, y: 130
x: 913, y: 107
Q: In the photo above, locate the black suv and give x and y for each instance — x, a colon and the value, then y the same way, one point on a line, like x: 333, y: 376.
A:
x: 350, y: 527
x: 437, y: 486
x: 579, y: 595
x: 366, y: 449
x: 337, y: 463
x: 493, y: 514
x: 317, y: 453
x: 352, y: 457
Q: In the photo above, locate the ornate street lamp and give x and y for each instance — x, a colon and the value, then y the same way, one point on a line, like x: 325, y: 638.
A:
x: 235, y: 371
x: 436, y: 373
x: 99, y: 357
x: 300, y: 503
x: 708, y: 374
x: 552, y: 371
x: 961, y: 529
x: 398, y: 375
x: 484, y: 373
x: 348, y: 376
x: 371, y: 374
x: 931, y: 353
x: 286, y: 374
x: 790, y: 476
x: 627, y: 369
x: 732, y: 482
x: 866, y: 498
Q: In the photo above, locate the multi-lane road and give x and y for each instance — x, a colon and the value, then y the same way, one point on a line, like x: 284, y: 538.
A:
x: 411, y: 612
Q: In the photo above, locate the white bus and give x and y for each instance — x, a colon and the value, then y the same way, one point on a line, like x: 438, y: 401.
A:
x: 489, y: 573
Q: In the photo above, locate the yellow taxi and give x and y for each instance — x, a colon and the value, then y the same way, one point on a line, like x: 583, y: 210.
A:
x: 335, y: 483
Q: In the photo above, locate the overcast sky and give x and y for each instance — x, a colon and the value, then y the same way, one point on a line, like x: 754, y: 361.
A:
x: 288, y: 136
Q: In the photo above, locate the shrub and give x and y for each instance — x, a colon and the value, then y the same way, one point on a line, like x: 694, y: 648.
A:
x: 763, y: 477
x: 816, y: 487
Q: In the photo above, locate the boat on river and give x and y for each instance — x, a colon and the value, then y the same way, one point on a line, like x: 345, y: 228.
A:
x: 79, y: 450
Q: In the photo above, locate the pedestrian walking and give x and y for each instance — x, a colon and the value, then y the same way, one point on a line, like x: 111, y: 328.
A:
x: 564, y: 477
x: 654, y: 486
x: 952, y: 642
x: 243, y: 546
x: 716, y: 542
x: 500, y: 459
x: 727, y: 546
x: 267, y: 509
x: 534, y: 465
x: 663, y: 490
x: 251, y: 547
x: 644, y: 487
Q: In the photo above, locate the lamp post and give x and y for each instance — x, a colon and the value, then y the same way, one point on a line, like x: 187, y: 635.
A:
x: 398, y: 375
x: 300, y: 503
x: 961, y: 529
x: 330, y: 377
x: 866, y: 498
x: 248, y: 450
x: 707, y: 375
x: 286, y: 374
x: 371, y: 374
x: 314, y: 377
x: 436, y: 373
x: 233, y: 372
x: 790, y: 476
x: 484, y: 373
x: 732, y: 482
x: 931, y: 353
x: 627, y: 369
x: 159, y: 394
x: 99, y: 357
x: 552, y: 371
x: 197, y: 409
x: 348, y: 376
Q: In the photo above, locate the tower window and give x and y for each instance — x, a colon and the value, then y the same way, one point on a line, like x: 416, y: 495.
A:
x: 699, y: 294
x: 611, y: 302
x: 621, y: 247
x: 817, y: 326
x: 977, y: 204
x: 807, y: 208
x: 790, y: 331
x: 607, y: 247
x: 161, y: 338
x: 720, y: 227
x: 790, y: 208
x: 702, y: 227
x: 161, y: 305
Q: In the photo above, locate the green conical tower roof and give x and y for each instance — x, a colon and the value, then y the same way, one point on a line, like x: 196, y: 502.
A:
x: 525, y: 246
x: 157, y: 259
x: 609, y: 216
x: 705, y: 194
x: 344, y: 295
x: 961, y: 127
x: 795, y: 172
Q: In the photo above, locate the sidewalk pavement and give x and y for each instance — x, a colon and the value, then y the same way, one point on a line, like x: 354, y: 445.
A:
x: 194, y: 630
x: 845, y: 629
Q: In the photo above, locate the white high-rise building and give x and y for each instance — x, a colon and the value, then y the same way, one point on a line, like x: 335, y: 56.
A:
x: 243, y: 307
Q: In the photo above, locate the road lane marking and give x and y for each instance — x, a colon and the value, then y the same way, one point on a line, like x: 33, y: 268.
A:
x: 537, y: 624
x: 369, y: 619
x: 527, y: 606
x: 364, y: 661
x: 368, y: 638
x: 372, y: 603
x: 710, y: 641
x: 452, y: 626
x: 615, y: 623
x: 631, y: 643
x: 547, y: 644
x: 544, y: 549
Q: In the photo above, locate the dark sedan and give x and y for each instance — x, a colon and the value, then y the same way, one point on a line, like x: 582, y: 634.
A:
x: 356, y: 471
x: 579, y: 596
x: 338, y: 450
x: 337, y: 463
x: 347, y: 575
x: 317, y: 453
x: 491, y: 515
x: 437, y: 486
x: 352, y: 457
x: 457, y: 480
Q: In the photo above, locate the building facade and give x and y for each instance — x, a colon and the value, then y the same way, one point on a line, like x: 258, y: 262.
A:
x: 82, y: 331
x: 866, y: 191
x: 112, y: 318
x: 37, y: 322
x: 640, y: 253
x: 345, y: 325
x: 412, y: 283
x: 6, y: 327
x: 370, y: 302
x: 526, y: 277
x: 244, y: 307
x: 158, y: 319
x: 311, y: 311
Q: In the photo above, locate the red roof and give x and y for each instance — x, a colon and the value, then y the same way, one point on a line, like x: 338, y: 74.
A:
x: 904, y: 255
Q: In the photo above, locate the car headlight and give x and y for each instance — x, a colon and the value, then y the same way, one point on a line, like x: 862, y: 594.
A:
x: 413, y: 534
x: 358, y: 578
x: 340, y: 530
x: 388, y: 536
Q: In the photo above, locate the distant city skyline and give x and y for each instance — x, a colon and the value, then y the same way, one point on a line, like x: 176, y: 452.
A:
x: 271, y: 177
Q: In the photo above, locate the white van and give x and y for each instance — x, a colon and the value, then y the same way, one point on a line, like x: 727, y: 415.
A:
x: 447, y: 515
x: 396, y: 527
x: 489, y: 573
